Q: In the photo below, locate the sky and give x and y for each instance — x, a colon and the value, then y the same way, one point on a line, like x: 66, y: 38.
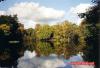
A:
x: 31, y: 12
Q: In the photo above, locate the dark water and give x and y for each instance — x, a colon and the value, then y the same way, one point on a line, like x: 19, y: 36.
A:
x: 11, y: 52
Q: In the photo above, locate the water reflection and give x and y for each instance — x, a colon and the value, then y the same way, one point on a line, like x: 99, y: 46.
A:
x: 58, y: 48
x: 12, y: 52
x: 44, y: 48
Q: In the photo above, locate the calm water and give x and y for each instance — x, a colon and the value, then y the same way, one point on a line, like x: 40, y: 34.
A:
x: 54, y: 53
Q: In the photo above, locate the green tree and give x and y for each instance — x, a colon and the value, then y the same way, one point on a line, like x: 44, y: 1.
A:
x: 91, y: 25
x: 31, y: 33
x: 44, y: 48
x: 44, y: 32
x: 71, y: 36
x: 29, y: 38
x: 11, y: 40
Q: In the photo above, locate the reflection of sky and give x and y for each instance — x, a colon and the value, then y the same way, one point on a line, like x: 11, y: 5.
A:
x: 51, y: 61
x: 72, y: 59
x: 76, y: 58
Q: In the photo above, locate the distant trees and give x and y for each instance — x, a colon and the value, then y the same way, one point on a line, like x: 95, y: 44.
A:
x: 66, y: 36
x: 43, y: 32
x: 64, y: 32
x: 28, y: 39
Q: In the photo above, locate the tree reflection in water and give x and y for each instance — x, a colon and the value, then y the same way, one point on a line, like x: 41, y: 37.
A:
x: 11, y: 54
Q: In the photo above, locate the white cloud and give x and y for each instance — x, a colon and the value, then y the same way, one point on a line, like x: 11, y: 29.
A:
x: 2, y: 12
x: 74, y: 11
x: 81, y: 8
x: 29, y: 13
x: 28, y: 23
x: 33, y: 12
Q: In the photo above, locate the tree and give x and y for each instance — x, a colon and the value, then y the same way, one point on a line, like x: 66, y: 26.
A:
x: 91, y: 25
x: 11, y: 40
x: 44, y: 32
x: 31, y: 33
x: 44, y: 48
x: 70, y: 36
x: 29, y: 39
